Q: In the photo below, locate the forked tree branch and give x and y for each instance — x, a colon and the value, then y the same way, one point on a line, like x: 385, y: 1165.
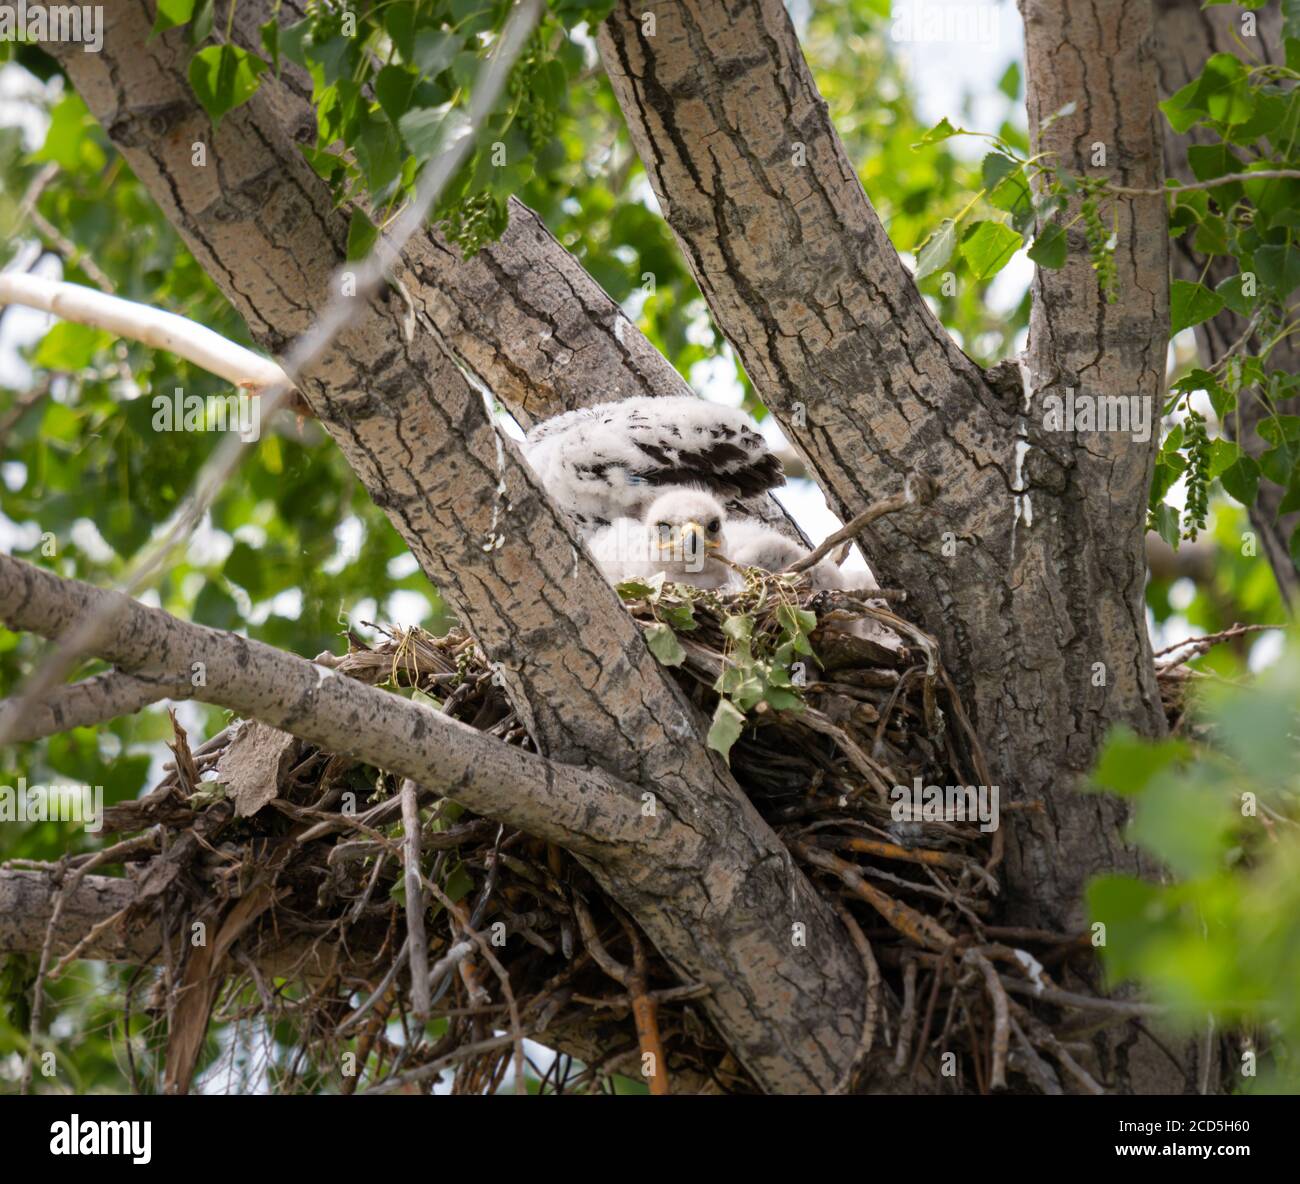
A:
x: 801, y: 276
x: 522, y: 316
x: 483, y: 530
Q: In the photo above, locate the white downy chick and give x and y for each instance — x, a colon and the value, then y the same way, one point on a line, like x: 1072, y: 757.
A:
x: 680, y: 534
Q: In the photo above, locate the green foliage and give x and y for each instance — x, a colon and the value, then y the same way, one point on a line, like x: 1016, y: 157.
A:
x: 1220, y: 939
x: 765, y: 636
x: 1246, y: 117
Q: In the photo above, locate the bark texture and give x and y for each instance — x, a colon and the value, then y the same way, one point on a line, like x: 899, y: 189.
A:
x: 419, y: 437
x: 1030, y: 568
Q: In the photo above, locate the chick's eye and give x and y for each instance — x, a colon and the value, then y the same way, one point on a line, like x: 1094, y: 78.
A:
x: 714, y: 526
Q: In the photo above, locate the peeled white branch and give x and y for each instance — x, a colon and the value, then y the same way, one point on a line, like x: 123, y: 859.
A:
x: 150, y: 326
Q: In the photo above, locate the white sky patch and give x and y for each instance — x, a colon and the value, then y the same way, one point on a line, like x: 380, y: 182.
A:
x: 406, y: 608
x: 348, y: 537
x: 1267, y: 650
x: 287, y: 603
x: 86, y: 537
x: 403, y: 565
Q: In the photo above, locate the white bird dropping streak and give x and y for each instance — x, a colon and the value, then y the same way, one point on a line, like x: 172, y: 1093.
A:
x: 1024, y: 507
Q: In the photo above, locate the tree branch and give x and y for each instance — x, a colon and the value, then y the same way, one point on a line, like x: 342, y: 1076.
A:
x: 571, y: 658
x: 92, y: 701
x: 151, y: 326
x: 585, y: 810
x: 522, y: 316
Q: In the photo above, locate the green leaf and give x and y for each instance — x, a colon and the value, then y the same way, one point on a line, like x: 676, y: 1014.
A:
x: 1278, y: 266
x: 635, y: 590
x: 728, y: 723
x: 664, y: 645
x: 378, y: 150
x: 1233, y: 296
x: 223, y: 77
x: 996, y: 166
x: 936, y: 250
x: 988, y: 247
x: 738, y: 628
x: 170, y: 14
x: 459, y: 884
x: 421, y: 128
x: 1211, y: 236
x: 270, y: 38
x: 1191, y: 303
x: 680, y: 616
x: 1049, y: 247
x: 1223, y: 455
x: 70, y: 139
x: 362, y: 234
x: 434, y: 51
x: 1241, y: 479
x: 201, y: 25
x: 1128, y: 762
x: 1167, y: 524
x: 1185, y: 822
x: 1209, y: 161
x: 1134, y: 917
x: 942, y: 130
x: 796, y: 620
x: 1009, y: 83
x: 70, y: 347
x: 394, y: 87
x: 1183, y: 108
x: 1224, y: 90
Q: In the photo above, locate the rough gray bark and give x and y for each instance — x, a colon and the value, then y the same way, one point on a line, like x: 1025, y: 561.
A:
x: 522, y: 316
x: 1042, y: 586
x: 804, y: 282
x: 573, y: 661
x: 581, y: 808
x: 1186, y: 36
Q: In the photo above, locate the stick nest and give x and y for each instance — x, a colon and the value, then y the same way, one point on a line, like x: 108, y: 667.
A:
x: 822, y: 702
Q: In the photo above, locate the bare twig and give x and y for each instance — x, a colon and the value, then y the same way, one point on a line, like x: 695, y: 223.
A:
x: 918, y: 489
x: 417, y: 941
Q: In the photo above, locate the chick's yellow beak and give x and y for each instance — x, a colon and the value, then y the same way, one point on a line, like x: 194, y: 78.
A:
x: 696, y: 531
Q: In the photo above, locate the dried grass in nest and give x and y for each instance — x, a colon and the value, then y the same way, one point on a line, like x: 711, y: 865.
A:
x: 917, y: 897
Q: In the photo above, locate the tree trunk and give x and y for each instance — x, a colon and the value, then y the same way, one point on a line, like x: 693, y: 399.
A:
x: 1029, y: 569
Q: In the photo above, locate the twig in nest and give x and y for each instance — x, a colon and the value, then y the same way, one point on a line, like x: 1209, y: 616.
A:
x: 906, y: 1021
x: 1001, y: 1014
x: 868, y: 1037
x: 918, y: 489
x: 644, y: 1005
x: 923, y: 930
x: 418, y: 941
